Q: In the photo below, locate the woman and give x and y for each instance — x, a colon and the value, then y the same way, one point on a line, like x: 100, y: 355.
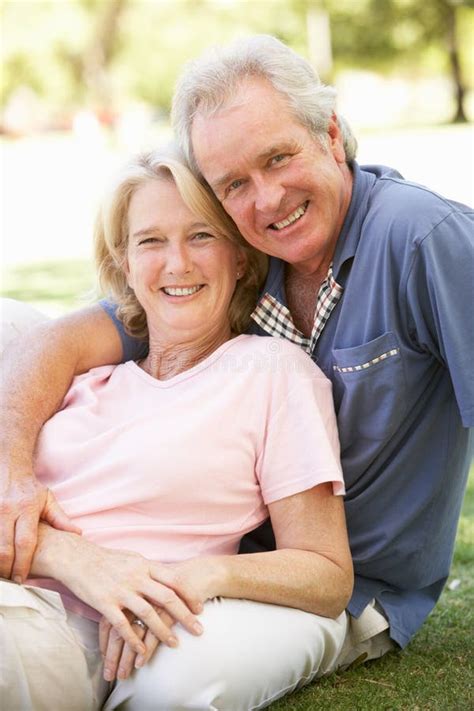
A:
x: 174, y: 459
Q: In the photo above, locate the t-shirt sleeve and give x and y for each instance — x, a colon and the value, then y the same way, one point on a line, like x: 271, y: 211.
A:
x: 440, y: 298
x: 301, y: 445
x: 132, y: 348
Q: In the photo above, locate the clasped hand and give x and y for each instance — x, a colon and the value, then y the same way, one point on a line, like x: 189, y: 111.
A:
x: 120, y: 658
x: 125, y: 581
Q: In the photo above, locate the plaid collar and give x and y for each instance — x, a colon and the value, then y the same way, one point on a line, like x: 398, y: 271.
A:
x: 275, y: 318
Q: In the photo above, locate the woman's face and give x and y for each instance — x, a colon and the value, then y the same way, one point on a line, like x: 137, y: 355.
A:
x: 183, y: 272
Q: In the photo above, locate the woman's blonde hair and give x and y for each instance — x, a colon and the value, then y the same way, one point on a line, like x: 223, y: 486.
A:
x: 111, y: 238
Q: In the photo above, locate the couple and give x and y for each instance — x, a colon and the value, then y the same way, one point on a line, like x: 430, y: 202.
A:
x: 361, y: 278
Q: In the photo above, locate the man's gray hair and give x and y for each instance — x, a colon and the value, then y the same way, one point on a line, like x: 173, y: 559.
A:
x: 211, y: 81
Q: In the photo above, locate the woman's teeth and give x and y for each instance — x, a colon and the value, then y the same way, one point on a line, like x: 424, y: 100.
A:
x: 181, y: 291
x: 299, y: 212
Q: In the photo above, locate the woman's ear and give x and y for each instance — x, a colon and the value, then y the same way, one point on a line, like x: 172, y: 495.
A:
x: 241, y: 263
x: 126, y: 271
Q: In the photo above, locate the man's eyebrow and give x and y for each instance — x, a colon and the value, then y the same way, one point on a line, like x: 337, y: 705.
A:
x: 282, y: 147
x: 222, y: 181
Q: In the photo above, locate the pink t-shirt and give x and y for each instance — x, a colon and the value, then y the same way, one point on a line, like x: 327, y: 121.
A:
x: 184, y: 467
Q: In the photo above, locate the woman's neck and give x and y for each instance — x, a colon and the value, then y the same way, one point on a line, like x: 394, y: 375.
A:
x: 166, y: 359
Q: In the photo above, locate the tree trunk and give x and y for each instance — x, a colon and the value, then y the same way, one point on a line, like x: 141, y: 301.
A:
x: 455, y: 64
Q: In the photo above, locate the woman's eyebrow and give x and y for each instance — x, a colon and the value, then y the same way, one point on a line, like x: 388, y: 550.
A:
x: 146, y: 232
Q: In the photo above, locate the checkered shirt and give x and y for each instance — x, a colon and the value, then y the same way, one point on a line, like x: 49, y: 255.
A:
x: 276, y: 319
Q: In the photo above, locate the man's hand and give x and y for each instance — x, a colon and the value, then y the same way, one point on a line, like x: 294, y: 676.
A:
x: 23, y: 501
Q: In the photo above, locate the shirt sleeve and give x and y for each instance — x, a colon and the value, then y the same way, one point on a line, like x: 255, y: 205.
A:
x: 301, y: 444
x: 132, y: 348
x: 440, y: 299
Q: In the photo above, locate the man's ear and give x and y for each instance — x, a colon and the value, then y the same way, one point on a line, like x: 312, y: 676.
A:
x: 336, y: 143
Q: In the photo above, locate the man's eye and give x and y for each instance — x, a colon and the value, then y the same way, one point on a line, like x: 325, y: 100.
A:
x: 235, y: 184
x: 278, y: 158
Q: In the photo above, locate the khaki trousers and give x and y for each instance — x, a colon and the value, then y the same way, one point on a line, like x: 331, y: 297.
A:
x: 249, y: 655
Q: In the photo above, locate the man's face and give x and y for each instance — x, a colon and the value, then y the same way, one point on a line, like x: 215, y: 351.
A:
x: 287, y: 193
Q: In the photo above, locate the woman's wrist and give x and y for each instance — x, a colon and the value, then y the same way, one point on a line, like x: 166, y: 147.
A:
x: 55, y: 553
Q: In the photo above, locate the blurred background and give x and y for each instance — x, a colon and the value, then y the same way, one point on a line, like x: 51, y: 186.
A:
x: 85, y: 83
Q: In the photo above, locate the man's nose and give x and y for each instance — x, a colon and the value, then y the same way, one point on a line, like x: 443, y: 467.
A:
x: 268, y: 194
x: 178, y: 260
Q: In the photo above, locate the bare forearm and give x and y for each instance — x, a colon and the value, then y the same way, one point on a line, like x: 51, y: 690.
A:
x: 55, y: 551
x: 37, y: 370
x: 295, y: 578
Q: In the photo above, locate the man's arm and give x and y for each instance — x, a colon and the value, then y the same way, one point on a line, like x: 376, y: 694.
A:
x: 37, y: 370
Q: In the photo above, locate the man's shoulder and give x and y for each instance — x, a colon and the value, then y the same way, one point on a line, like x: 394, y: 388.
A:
x: 406, y: 211
x: 391, y: 191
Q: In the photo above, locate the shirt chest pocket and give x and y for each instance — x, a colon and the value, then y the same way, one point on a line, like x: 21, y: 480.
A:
x: 369, y: 389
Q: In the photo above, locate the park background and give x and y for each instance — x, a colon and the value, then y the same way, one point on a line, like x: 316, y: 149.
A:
x: 85, y: 83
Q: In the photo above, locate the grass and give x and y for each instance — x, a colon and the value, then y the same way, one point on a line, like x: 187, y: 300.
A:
x: 434, y: 673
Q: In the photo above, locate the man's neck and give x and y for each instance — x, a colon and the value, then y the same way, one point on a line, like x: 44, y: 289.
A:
x: 301, y: 295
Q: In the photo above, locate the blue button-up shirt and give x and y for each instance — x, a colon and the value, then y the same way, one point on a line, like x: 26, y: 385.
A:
x: 398, y: 348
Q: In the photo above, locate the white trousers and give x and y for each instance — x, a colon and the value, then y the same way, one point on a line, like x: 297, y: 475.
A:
x: 249, y: 655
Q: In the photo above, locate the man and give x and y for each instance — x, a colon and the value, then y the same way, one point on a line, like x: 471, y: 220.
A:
x: 370, y: 274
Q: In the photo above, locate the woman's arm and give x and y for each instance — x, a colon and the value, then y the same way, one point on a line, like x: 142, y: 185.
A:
x: 37, y: 370
x: 310, y: 570
x: 111, y: 581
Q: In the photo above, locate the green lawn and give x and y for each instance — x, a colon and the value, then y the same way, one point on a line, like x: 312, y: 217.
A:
x: 435, y: 673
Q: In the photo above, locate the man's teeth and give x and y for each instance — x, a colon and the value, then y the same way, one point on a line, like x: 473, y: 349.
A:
x: 291, y: 218
x: 181, y: 291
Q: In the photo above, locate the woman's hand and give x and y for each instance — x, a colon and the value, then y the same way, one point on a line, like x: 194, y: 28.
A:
x: 197, y: 579
x: 119, y: 658
x: 112, y: 581
x: 194, y: 579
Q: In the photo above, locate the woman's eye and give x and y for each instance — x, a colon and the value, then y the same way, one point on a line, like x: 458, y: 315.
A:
x: 235, y: 184
x: 201, y: 236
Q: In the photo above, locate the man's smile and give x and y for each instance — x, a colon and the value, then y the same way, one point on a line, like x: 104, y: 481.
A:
x: 292, y: 217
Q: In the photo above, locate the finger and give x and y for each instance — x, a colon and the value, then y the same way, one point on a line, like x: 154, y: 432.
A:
x: 26, y: 538
x: 113, y: 653
x: 104, y: 631
x: 151, y: 643
x: 127, y: 659
x: 118, y: 620
x: 55, y: 515
x: 7, y: 550
x: 145, y: 612
x: 169, y: 601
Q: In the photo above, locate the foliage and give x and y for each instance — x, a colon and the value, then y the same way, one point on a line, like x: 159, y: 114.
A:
x: 108, y: 53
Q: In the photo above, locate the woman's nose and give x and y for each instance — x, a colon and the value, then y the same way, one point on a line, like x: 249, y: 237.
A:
x: 178, y: 260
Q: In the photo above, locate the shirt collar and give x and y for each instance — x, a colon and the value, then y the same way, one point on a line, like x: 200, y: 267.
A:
x: 364, y: 179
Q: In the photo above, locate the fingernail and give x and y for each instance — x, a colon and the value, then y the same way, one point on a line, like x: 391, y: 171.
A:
x: 108, y: 676
x: 122, y: 674
x: 18, y: 579
x: 197, y: 628
x: 139, y: 662
x: 172, y: 642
